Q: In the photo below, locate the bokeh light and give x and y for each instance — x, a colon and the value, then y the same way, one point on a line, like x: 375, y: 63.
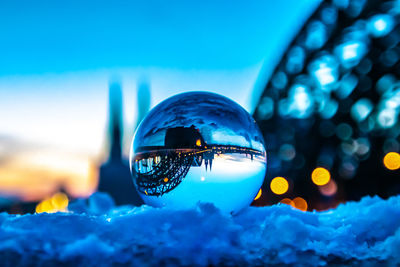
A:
x: 328, y: 189
x: 279, y: 185
x: 300, y: 203
x: 258, y: 194
x: 57, y: 203
x: 320, y: 176
x: 59, y: 200
x: 198, y: 142
x: 392, y: 161
x: 288, y: 201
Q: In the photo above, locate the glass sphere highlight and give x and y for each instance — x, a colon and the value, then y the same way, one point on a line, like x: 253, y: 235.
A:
x: 198, y: 147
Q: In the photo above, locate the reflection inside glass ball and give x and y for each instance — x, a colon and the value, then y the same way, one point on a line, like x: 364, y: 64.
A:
x: 198, y: 147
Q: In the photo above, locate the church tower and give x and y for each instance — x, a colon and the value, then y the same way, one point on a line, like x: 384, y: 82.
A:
x: 114, y: 176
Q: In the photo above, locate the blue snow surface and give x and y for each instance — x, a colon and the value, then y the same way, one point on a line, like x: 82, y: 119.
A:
x: 96, y: 233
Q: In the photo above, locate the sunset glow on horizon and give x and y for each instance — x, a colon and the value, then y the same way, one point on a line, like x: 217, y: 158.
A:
x: 34, y: 175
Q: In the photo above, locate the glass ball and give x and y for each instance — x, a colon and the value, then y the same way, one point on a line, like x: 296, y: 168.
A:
x: 198, y: 147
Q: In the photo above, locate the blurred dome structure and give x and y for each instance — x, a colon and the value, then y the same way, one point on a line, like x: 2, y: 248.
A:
x: 333, y: 102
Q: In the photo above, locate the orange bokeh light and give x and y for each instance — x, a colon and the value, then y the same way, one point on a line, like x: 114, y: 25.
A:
x: 288, y: 201
x: 392, y: 161
x: 279, y: 185
x: 320, y: 176
x: 300, y: 203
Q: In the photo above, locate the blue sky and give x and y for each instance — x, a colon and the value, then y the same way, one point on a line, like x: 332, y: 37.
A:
x: 51, y: 36
x: 57, y: 59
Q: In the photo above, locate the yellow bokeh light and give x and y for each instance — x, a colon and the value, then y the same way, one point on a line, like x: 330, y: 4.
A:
x: 320, y: 176
x: 258, y: 194
x: 279, y: 185
x: 47, y: 206
x: 198, y: 142
x: 39, y: 208
x: 165, y: 179
x: 44, y: 206
x: 288, y: 201
x: 300, y: 203
x: 58, y: 202
x: 392, y: 161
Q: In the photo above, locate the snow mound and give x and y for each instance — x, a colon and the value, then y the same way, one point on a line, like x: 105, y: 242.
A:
x: 97, y: 233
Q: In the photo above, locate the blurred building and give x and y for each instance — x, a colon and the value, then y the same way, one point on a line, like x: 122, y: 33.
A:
x: 143, y: 99
x: 333, y: 102
x: 114, y: 175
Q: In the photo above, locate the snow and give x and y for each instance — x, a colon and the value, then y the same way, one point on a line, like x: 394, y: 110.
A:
x: 95, y: 232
